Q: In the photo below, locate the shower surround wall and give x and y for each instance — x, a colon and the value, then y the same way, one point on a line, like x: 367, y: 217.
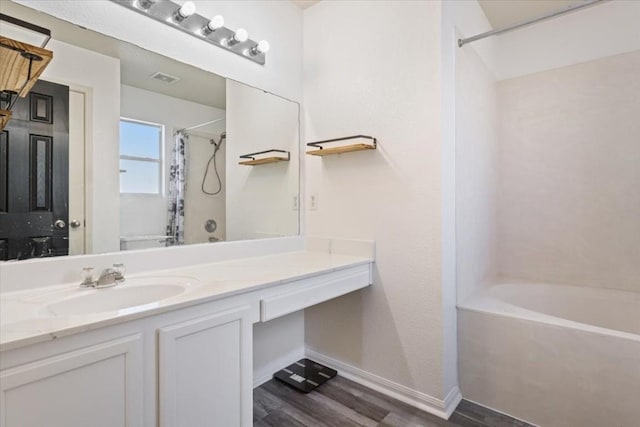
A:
x: 476, y: 173
x: 522, y: 175
x: 563, y: 203
x: 569, y: 205
x: 200, y: 207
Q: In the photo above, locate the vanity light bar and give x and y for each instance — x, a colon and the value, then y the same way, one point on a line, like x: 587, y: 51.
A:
x: 212, y: 30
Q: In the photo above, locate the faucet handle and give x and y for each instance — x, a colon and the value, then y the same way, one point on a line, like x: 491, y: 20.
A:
x: 87, y: 276
x: 120, y: 270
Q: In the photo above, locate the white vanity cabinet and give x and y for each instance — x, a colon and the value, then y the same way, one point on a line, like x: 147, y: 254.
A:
x: 180, y: 368
x: 204, y: 367
x: 99, y: 385
x: 188, y: 364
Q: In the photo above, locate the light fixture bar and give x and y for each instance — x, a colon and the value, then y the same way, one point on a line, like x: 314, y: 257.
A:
x: 196, y: 25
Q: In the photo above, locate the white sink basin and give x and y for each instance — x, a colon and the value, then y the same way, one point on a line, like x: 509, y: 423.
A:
x: 131, y: 296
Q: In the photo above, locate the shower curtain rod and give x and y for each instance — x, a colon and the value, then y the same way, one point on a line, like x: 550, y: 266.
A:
x: 201, y: 124
x: 571, y: 8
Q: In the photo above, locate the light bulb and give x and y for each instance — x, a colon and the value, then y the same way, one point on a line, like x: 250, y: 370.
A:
x: 186, y: 10
x: 263, y: 46
x: 146, y: 4
x: 215, y: 23
x: 240, y: 36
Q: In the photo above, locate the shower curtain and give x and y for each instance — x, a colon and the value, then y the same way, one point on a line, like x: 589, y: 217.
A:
x: 177, y: 177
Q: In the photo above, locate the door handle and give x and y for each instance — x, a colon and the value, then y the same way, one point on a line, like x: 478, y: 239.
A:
x: 60, y: 224
x: 74, y: 224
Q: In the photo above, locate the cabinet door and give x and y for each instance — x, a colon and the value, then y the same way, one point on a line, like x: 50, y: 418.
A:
x: 205, y: 369
x: 98, y: 386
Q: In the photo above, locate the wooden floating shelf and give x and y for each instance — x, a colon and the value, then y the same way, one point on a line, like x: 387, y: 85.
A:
x: 263, y: 161
x: 252, y: 161
x: 340, y: 150
x: 322, y: 151
x: 21, y: 65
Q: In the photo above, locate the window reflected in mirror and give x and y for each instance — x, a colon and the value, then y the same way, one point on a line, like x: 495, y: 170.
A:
x: 141, y: 147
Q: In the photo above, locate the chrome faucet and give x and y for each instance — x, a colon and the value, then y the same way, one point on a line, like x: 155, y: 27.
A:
x: 110, y: 277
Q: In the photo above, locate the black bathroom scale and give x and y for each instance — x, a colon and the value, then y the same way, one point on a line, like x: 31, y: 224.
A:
x: 305, y: 375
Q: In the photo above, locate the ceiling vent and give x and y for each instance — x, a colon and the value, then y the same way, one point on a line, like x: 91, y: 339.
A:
x: 164, y: 78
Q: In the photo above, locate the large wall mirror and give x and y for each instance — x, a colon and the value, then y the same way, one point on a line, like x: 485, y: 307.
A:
x: 119, y: 148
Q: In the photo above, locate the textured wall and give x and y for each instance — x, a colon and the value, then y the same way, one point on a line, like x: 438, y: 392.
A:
x: 569, y: 205
x: 377, y: 71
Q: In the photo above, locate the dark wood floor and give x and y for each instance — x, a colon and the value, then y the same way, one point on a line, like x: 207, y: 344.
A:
x: 341, y: 402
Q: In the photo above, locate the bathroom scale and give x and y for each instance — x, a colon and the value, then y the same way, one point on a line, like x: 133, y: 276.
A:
x: 305, y: 375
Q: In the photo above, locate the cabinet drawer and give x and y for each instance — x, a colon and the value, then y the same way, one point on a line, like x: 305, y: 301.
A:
x: 312, y: 292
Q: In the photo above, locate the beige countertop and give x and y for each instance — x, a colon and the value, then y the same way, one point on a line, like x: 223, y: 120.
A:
x: 26, y: 317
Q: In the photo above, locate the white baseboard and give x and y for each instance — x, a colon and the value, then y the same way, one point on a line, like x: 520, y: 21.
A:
x: 442, y: 408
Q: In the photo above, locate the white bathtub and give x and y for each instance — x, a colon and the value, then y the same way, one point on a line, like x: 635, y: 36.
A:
x: 553, y: 355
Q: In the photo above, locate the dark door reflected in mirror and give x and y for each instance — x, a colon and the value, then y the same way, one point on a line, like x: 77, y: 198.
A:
x: 35, y: 175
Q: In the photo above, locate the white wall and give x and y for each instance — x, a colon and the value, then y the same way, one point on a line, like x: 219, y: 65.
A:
x: 279, y: 342
x: 377, y: 71
x: 147, y: 214
x: 99, y: 76
x: 569, y: 172
x: 260, y: 198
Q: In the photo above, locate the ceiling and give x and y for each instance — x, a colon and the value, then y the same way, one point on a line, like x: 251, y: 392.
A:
x: 136, y: 64
x: 503, y: 13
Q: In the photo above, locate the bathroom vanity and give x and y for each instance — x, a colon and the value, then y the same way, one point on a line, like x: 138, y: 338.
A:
x: 166, y: 348
x: 172, y: 347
